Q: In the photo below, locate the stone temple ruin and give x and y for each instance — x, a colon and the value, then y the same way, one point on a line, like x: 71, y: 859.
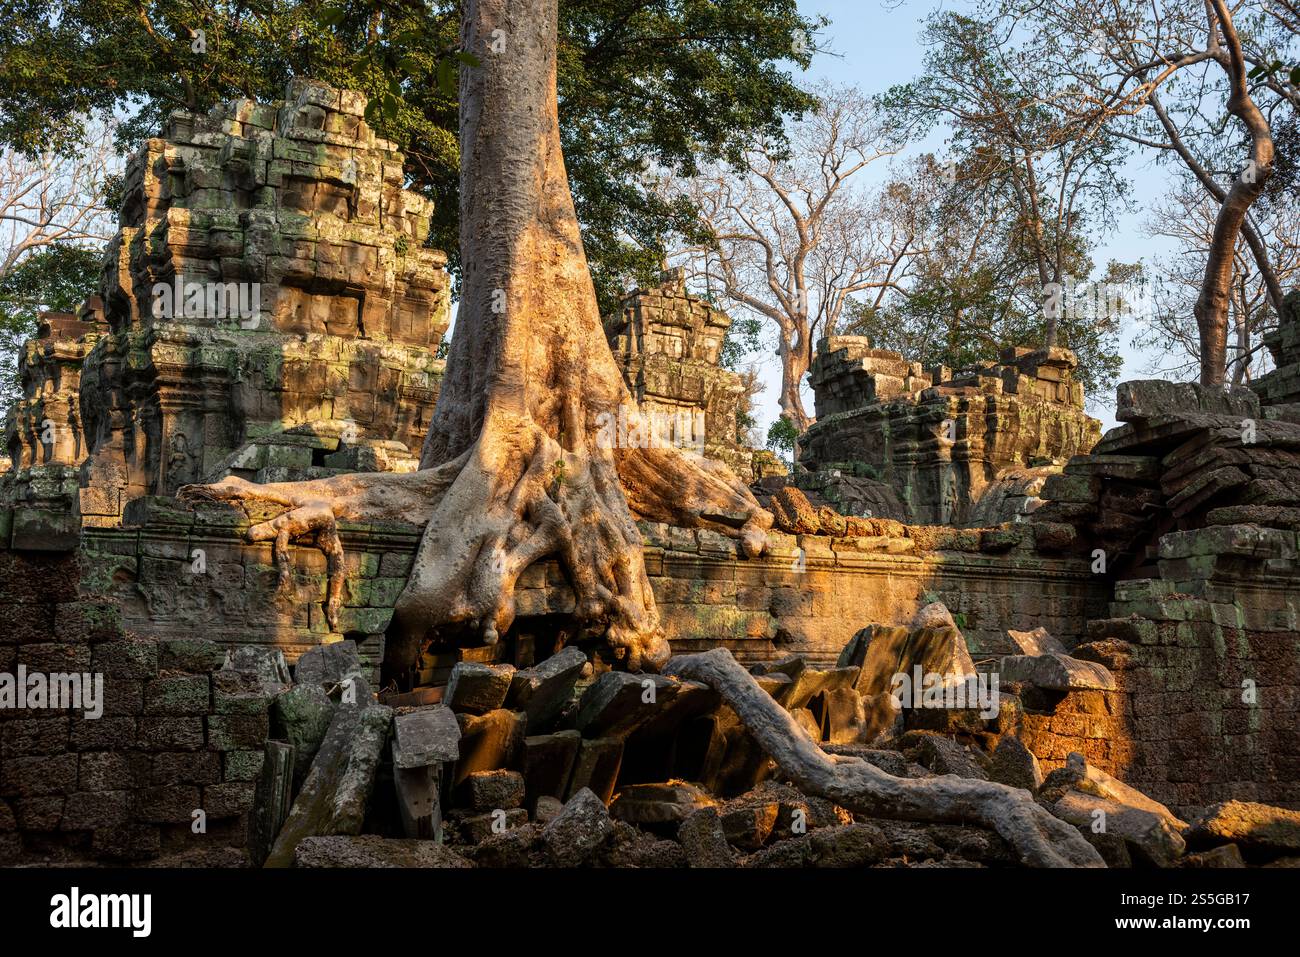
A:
x: 1110, y: 623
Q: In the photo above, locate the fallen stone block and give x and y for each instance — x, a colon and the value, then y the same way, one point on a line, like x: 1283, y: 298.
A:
x: 1036, y: 642
x: 810, y: 682
x: 370, y: 850
x: 1078, y: 775
x: 489, y: 790
x: 333, y: 799
x: 579, y: 831
x: 887, y: 652
x: 942, y: 755
x: 668, y: 803
x: 477, y: 688
x: 430, y: 735
x: 547, y: 810
x: 596, y: 767
x: 477, y: 828
x: 302, y: 715
x: 617, y: 703
x: 1251, y: 826
x: 490, y: 741
x: 548, y: 764
x: 847, y: 845
x: 543, y: 690
x: 272, y: 799
x: 1147, y: 834
x: 1014, y: 765
x: 704, y: 841
x: 845, y: 715
x: 1056, y: 672
x: 747, y: 821
x: 419, y: 798
x: 266, y: 664
x: 1224, y: 856
x: 328, y: 664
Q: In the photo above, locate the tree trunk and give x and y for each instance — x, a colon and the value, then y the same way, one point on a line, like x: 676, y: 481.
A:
x: 794, y: 366
x: 1211, y: 308
x: 515, y: 465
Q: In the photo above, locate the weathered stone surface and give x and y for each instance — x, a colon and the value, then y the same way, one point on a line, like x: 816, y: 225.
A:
x: 1249, y: 825
x: 477, y: 828
x: 575, y: 837
x: 1079, y: 775
x: 333, y: 799
x: 704, y: 841
x: 1146, y: 833
x: 543, y: 690
x: 266, y: 664
x: 666, y: 803
x: 1036, y: 642
x: 548, y: 763
x: 596, y: 767
x: 489, y: 741
x: 1015, y: 765
x: 329, y: 664
x: 489, y: 790
x: 477, y: 688
x: 302, y: 715
x: 1147, y: 398
x: 547, y: 810
x: 942, y: 755
x: 748, y: 821
x: 1223, y: 856
x: 617, y: 703
x: 428, y: 735
x: 1056, y: 672
x: 370, y: 850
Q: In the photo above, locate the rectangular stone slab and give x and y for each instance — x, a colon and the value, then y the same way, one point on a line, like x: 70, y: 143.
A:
x: 428, y: 736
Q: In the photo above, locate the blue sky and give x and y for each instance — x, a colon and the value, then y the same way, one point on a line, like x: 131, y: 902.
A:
x: 873, y: 46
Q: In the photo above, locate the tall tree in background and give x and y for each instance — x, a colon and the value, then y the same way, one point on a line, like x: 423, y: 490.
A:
x: 55, y: 215
x: 673, y: 83
x: 1057, y: 176
x: 973, y: 287
x: 1186, y: 217
x: 790, y: 235
x: 1176, y: 79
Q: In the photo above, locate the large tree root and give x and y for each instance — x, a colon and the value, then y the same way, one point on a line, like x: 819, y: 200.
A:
x: 1041, y: 839
x: 515, y: 498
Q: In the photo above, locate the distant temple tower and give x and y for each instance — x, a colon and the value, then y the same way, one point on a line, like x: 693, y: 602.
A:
x: 668, y: 344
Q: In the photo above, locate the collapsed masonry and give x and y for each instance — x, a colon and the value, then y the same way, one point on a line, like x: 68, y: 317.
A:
x: 930, y: 447
x: 669, y: 345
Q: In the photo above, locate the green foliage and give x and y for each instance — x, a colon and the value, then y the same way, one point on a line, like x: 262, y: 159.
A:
x: 781, y: 438
x: 54, y: 279
x: 672, y: 84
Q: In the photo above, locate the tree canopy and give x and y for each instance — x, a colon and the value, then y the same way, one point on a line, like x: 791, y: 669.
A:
x: 642, y: 83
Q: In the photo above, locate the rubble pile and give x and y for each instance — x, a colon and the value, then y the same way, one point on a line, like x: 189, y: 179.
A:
x: 559, y: 766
